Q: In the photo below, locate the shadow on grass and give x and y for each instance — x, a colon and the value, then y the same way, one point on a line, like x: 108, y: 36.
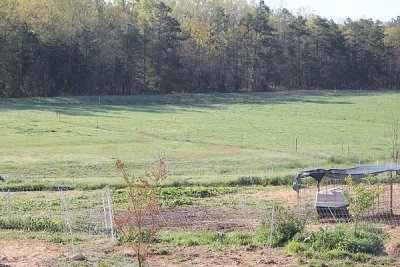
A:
x: 172, y: 103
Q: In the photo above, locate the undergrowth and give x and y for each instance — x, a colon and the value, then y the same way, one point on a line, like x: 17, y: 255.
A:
x: 340, y: 242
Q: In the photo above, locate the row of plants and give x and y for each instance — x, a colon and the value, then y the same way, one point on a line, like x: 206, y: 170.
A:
x: 16, y: 185
x: 178, y: 196
x: 285, y: 226
x: 357, y: 243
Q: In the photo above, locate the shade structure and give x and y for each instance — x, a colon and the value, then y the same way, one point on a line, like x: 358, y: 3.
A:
x: 357, y: 173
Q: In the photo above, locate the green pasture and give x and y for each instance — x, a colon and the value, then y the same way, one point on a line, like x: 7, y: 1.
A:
x: 206, y: 139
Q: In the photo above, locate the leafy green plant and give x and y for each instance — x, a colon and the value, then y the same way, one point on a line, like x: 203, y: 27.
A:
x: 366, y: 192
x: 285, y: 226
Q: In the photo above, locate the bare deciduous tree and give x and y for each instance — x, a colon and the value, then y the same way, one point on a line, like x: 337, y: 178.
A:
x: 141, y: 221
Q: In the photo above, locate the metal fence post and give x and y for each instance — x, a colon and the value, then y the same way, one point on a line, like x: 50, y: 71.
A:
x: 271, y: 232
x: 110, y: 210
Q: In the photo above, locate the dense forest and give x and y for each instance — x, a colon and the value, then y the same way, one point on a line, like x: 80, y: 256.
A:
x: 90, y: 47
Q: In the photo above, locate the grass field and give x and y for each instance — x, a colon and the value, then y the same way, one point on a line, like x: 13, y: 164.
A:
x: 206, y: 139
x: 215, y: 144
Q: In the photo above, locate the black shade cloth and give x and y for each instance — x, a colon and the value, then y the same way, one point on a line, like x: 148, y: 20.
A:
x: 357, y: 173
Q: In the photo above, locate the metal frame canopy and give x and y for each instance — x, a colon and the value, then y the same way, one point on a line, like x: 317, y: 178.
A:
x: 340, y: 174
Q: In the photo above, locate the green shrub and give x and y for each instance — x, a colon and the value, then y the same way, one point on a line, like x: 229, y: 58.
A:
x: 286, y: 226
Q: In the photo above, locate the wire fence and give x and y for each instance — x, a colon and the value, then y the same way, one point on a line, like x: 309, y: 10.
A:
x: 69, y: 211
x: 94, y: 211
x: 328, y: 201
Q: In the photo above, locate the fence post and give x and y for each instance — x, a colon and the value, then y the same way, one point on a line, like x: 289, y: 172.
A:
x: 104, y: 209
x: 271, y: 232
x: 65, y: 210
x: 240, y: 198
x: 110, y: 210
x: 9, y: 204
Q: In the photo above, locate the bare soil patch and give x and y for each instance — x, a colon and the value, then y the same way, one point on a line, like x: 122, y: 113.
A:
x: 229, y: 256
x: 28, y: 253
x: 212, y: 219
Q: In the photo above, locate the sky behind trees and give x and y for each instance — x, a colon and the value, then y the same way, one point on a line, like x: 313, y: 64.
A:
x: 338, y: 10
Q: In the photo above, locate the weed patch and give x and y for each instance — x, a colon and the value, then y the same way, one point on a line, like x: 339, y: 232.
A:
x: 340, y: 242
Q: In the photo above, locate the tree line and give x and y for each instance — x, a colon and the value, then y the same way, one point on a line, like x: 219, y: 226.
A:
x: 90, y: 47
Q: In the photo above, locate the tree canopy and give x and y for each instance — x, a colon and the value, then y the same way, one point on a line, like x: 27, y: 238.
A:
x: 87, y: 47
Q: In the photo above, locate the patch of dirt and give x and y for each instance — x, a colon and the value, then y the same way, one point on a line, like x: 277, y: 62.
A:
x: 228, y: 218
x: 280, y: 194
x: 208, y: 219
x: 230, y: 256
x: 393, y: 248
x: 29, y: 253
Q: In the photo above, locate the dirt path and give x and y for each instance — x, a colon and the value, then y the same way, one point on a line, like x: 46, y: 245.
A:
x: 29, y: 253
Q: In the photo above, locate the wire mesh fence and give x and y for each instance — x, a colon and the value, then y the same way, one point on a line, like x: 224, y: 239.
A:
x: 328, y: 200
x: 62, y: 210
x: 94, y: 212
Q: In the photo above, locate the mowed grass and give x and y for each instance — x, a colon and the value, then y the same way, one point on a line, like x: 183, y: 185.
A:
x: 206, y: 139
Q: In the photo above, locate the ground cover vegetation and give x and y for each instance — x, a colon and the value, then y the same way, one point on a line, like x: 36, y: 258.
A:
x: 92, y: 47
